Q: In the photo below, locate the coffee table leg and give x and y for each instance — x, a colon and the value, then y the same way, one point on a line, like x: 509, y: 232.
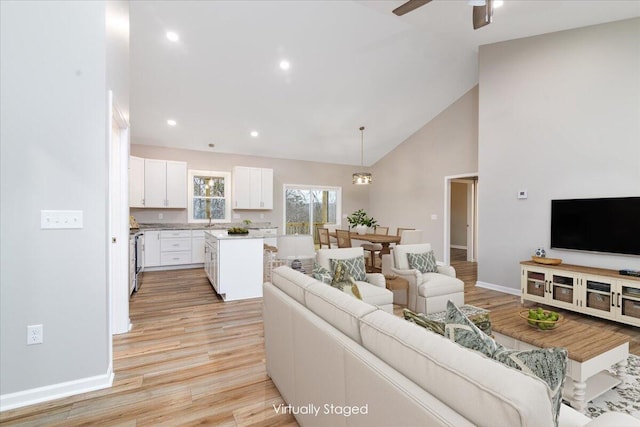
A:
x: 579, y: 389
x: 620, y: 369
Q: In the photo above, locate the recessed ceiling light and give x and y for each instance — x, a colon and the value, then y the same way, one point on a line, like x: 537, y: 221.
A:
x: 172, y: 36
x: 171, y: 122
x: 285, y: 65
x: 254, y: 133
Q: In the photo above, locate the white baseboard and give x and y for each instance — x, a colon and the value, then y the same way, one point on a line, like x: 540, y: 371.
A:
x: 458, y: 247
x: 503, y: 289
x: 55, y: 391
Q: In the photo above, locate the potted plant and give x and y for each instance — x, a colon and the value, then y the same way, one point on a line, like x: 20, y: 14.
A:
x: 361, y: 221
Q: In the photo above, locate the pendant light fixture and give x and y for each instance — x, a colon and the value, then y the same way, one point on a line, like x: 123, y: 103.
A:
x: 362, y: 178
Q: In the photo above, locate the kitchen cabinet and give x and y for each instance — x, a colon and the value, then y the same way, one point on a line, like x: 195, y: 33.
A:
x: 175, y: 247
x: 152, y: 248
x: 197, y: 246
x: 252, y: 188
x: 595, y: 291
x: 165, y: 184
x: 233, y: 265
x: 136, y: 182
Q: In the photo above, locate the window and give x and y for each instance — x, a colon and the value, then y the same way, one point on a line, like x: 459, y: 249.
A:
x: 308, y: 207
x: 209, y: 196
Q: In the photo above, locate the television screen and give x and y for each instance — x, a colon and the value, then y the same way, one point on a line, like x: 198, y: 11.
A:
x: 601, y: 225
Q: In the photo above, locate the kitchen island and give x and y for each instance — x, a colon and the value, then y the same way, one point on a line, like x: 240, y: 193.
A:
x: 233, y: 264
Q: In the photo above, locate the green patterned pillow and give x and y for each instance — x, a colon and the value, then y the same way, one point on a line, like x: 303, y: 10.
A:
x: 344, y: 281
x: 322, y: 274
x: 548, y: 364
x: 355, y: 267
x: 425, y: 263
x: 458, y: 328
x: 421, y: 320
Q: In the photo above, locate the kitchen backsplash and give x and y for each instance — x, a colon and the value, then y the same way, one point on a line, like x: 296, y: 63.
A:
x: 179, y: 216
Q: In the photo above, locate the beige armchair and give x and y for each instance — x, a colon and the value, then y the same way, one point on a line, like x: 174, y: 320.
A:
x: 374, y: 290
x: 428, y: 292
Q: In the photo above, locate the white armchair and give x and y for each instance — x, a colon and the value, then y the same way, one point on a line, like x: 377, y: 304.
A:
x: 374, y: 290
x: 428, y: 292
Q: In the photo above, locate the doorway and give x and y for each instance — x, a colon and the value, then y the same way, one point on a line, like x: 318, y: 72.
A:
x: 461, y: 219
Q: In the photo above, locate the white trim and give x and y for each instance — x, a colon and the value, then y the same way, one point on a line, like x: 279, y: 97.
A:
x: 447, y: 212
x: 227, y: 195
x: 499, y: 288
x: 338, y: 190
x: 458, y: 247
x: 55, y: 391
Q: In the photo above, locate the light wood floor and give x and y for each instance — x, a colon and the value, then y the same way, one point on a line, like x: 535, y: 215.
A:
x: 191, y: 359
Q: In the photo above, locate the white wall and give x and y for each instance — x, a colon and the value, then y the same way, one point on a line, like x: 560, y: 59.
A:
x: 284, y: 172
x: 408, y: 183
x: 559, y: 117
x: 53, y: 156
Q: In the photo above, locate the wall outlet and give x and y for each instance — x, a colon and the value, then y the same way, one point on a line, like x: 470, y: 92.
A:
x: 434, y: 217
x: 34, y: 334
x: 261, y: 216
x: 160, y: 216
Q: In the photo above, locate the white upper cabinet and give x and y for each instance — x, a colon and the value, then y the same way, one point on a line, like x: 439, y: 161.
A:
x: 165, y: 184
x: 136, y: 182
x: 252, y: 188
x: 176, y: 184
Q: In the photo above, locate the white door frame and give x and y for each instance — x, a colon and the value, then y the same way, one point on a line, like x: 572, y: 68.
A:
x: 118, y: 226
x: 472, y: 244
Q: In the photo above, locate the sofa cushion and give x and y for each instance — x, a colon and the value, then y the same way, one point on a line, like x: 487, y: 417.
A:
x: 548, y: 364
x: 344, y: 281
x: 400, y: 253
x: 458, y: 328
x: 424, y: 262
x: 421, y: 319
x: 355, y: 267
x: 478, y: 388
x: 342, y: 311
x: 291, y: 282
x: 436, y: 284
x: 322, y: 274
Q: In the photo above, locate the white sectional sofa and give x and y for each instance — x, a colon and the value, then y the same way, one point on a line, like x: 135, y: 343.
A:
x: 338, y: 361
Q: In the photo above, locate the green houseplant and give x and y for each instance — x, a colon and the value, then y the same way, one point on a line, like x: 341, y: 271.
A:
x: 360, y: 221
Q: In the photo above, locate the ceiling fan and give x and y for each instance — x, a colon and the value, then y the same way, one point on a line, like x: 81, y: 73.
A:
x: 482, y: 15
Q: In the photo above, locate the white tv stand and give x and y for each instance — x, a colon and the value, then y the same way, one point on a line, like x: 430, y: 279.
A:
x: 596, y: 291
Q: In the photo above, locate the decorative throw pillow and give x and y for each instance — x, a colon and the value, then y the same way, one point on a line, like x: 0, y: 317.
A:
x: 344, y: 281
x: 322, y: 274
x: 425, y: 263
x: 355, y: 267
x: 458, y: 328
x: 420, y: 319
x: 548, y: 364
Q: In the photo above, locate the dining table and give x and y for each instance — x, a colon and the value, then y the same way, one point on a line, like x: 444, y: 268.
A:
x: 385, y: 240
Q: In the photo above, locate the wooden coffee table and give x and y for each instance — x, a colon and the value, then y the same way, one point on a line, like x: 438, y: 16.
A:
x: 592, y: 351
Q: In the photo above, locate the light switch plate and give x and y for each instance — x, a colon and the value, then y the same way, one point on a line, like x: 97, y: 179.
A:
x: 60, y: 219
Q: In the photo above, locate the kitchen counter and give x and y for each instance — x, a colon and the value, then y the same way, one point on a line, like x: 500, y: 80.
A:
x: 189, y: 226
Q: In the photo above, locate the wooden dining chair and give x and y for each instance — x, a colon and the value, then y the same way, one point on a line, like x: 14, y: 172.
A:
x: 400, y: 230
x: 323, y: 237
x: 344, y: 238
x: 374, y: 248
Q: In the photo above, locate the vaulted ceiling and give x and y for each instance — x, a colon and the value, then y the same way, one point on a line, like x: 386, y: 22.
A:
x: 353, y: 63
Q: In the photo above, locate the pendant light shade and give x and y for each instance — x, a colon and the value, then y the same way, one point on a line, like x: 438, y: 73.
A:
x: 362, y: 178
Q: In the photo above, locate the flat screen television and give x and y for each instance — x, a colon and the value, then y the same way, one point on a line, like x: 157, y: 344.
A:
x: 601, y: 225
